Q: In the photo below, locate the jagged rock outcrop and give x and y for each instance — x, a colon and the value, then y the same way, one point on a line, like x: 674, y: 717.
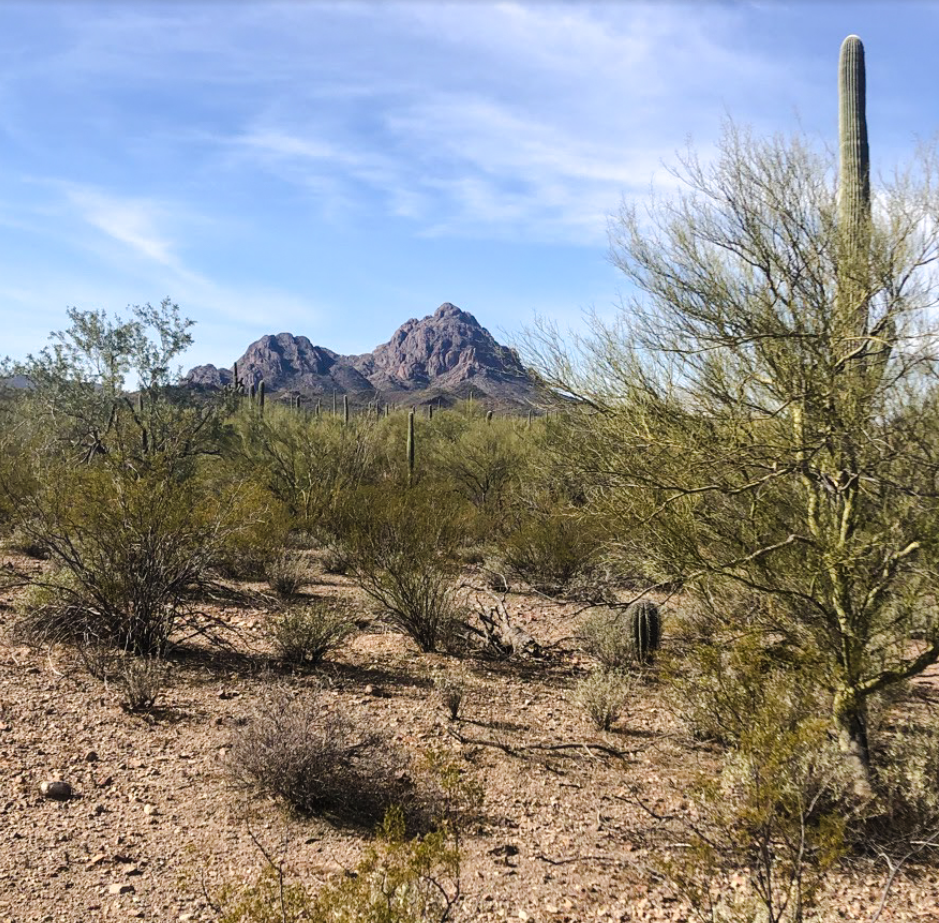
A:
x: 444, y: 356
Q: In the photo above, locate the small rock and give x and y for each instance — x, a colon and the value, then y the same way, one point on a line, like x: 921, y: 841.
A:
x: 370, y: 689
x: 56, y: 789
x: 91, y: 757
x: 150, y: 810
x: 121, y: 889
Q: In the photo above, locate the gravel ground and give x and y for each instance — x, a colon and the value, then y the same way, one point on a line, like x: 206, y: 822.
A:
x: 155, y: 828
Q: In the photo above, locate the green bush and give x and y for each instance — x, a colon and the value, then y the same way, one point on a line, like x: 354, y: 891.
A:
x: 605, y: 635
x: 551, y: 552
x: 603, y: 695
x: 401, y: 547
x: 303, y: 635
x: 398, y: 880
x: 129, y: 548
x: 906, y: 776
x: 287, y: 574
x: 257, y: 527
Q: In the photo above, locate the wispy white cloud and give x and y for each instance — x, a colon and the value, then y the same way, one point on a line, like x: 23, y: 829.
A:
x: 134, y: 222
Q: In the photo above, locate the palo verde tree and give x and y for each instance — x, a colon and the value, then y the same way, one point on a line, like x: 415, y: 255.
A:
x: 761, y: 421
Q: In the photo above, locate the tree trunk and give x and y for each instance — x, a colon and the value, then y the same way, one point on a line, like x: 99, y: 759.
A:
x: 851, y: 724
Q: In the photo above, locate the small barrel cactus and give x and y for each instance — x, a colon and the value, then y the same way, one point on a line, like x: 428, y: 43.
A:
x: 645, y: 623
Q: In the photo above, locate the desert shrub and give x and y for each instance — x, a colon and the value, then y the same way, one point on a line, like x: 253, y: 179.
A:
x: 140, y: 682
x: 287, y: 574
x: 779, y: 809
x: 257, y: 527
x: 720, y: 678
x: 307, y: 461
x: 50, y: 612
x: 451, y: 688
x: 398, y: 880
x: 27, y: 543
x: 401, y: 548
x: 603, y: 695
x: 317, y: 761
x: 335, y: 558
x: 131, y: 546
x: 718, y: 688
x: 551, y: 551
x: 483, y: 463
x: 303, y: 635
x: 906, y: 776
x: 604, y: 634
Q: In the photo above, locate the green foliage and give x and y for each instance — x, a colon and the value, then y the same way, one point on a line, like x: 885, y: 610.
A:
x: 257, y: 526
x: 287, y: 573
x: 398, y: 880
x: 308, y: 462
x: 775, y: 811
x: 401, y: 548
x: 719, y: 683
x: 131, y: 547
x: 484, y: 463
x: 604, y: 634
x: 604, y: 694
x: 906, y: 773
x: 739, y: 433
x: 552, y: 550
x: 304, y: 635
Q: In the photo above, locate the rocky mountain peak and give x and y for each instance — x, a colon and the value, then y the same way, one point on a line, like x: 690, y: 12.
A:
x: 446, y: 353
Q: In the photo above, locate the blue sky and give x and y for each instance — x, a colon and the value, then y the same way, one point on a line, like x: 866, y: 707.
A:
x: 333, y: 169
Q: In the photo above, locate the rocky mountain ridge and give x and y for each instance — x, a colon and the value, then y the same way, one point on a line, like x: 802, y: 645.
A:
x: 441, y: 358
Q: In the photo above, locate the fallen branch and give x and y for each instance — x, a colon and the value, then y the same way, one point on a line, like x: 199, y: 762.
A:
x: 518, y: 749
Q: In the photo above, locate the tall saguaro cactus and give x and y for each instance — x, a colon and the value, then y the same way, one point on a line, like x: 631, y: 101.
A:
x: 854, y: 187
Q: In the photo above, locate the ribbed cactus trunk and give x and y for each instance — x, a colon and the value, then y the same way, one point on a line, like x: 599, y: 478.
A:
x: 410, y: 447
x: 345, y: 408
x: 852, y: 325
x: 854, y: 192
x: 261, y: 393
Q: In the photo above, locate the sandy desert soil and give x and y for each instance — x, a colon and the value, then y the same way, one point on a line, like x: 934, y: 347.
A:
x: 156, y: 828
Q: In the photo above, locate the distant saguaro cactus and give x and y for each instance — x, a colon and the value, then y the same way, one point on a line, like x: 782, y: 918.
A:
x: 345, y: 408
x: 488, y: 416
x: 261, y: 391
